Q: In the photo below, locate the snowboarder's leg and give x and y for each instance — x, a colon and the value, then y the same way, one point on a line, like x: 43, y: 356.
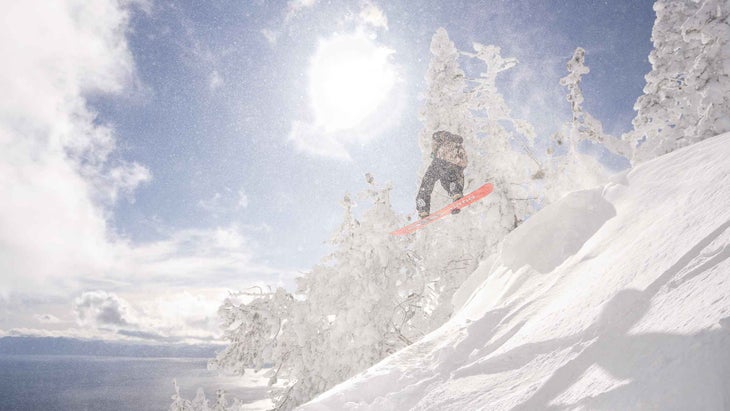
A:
x: 423, y: 200
x: 453, y: 181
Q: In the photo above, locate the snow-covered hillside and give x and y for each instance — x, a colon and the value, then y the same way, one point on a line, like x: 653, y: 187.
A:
x: 614, y: 298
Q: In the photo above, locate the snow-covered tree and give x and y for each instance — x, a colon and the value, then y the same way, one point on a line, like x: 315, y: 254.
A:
x: 444, y: 260
x: 353, y: 309
x: 687, y: 95
x: 567, y: 168
x: 708, y: 30
x: 201, y: 403
x: 474, y: 109
x: 502, y: 145
x: 576, y: 70
x: 178, y: 402
x: 253, y: 323
x: 447, y: 254
x: 585, y: 127
x: 446, y: 104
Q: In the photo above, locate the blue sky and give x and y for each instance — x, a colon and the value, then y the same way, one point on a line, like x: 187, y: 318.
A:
x: 183, y: 155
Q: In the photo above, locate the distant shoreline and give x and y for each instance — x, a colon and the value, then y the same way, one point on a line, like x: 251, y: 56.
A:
x: 63, y: 346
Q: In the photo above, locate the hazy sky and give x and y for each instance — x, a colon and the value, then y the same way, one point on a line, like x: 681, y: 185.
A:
x: 158, y: 154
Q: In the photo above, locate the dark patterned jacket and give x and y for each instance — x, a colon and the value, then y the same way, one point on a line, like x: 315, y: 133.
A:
x: 449, y: 147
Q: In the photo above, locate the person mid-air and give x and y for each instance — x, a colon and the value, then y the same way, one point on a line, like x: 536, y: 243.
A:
x: 449, y: 160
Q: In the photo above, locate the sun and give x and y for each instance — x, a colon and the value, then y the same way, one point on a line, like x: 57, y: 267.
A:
x: 349, y: 77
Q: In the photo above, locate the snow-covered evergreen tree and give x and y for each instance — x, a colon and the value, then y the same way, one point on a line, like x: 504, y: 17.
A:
x: 708, y: 30
x: 178, y: 402
x: 201, y: 403
x: 686, y: 98
x: 446, y: 104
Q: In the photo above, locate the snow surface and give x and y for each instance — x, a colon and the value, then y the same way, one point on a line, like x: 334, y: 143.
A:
x: 609, y: 299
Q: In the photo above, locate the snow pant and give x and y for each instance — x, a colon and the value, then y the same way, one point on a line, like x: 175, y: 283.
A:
x: 451, y: 177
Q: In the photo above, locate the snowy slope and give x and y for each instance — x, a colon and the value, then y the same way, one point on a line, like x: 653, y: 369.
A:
x: 610, y: 299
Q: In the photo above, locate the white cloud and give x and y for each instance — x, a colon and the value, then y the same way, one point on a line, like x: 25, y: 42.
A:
x: 215, y: 80
x: 173, y: 316
x: 138, y: 314
x: 60, y: 178
x: 100, y: 309
x: 193, y: 258
x: 294, y: 7
x: 47, y: 318
x: 242, y: 199
x: 199, y: 54
x: 212, y: 204
x: 57, y: 176
x: 317, y: 141
x: 271, y: 36
x: 168, y: 290
x: 169, y: 316
x: 373, y: 15
x: 186, y: 314
x: 226, y: 202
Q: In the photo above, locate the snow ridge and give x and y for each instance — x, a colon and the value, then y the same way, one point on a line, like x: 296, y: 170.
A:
x: 611, y: 298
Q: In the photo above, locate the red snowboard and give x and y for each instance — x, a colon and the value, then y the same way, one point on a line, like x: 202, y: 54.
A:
x: 472, y: 197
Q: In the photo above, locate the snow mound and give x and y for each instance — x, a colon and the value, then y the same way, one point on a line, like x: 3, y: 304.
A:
x: 557, y: 232
x: 610, y: 299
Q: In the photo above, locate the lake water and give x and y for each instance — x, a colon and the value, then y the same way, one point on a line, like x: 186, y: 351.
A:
x: 78, y: 383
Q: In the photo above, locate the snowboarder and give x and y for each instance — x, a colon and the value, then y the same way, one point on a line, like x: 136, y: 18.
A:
x: 447, y: 166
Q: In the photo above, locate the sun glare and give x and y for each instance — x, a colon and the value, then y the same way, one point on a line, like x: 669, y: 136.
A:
x: 350, y: 76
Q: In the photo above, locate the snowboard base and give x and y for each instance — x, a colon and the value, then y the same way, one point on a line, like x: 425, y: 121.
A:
x: 453, y: 208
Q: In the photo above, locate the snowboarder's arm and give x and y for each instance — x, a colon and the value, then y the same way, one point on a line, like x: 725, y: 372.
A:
x: 436, y: 140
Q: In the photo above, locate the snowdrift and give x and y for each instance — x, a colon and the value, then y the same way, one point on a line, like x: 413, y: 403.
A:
x: 610, y: 299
